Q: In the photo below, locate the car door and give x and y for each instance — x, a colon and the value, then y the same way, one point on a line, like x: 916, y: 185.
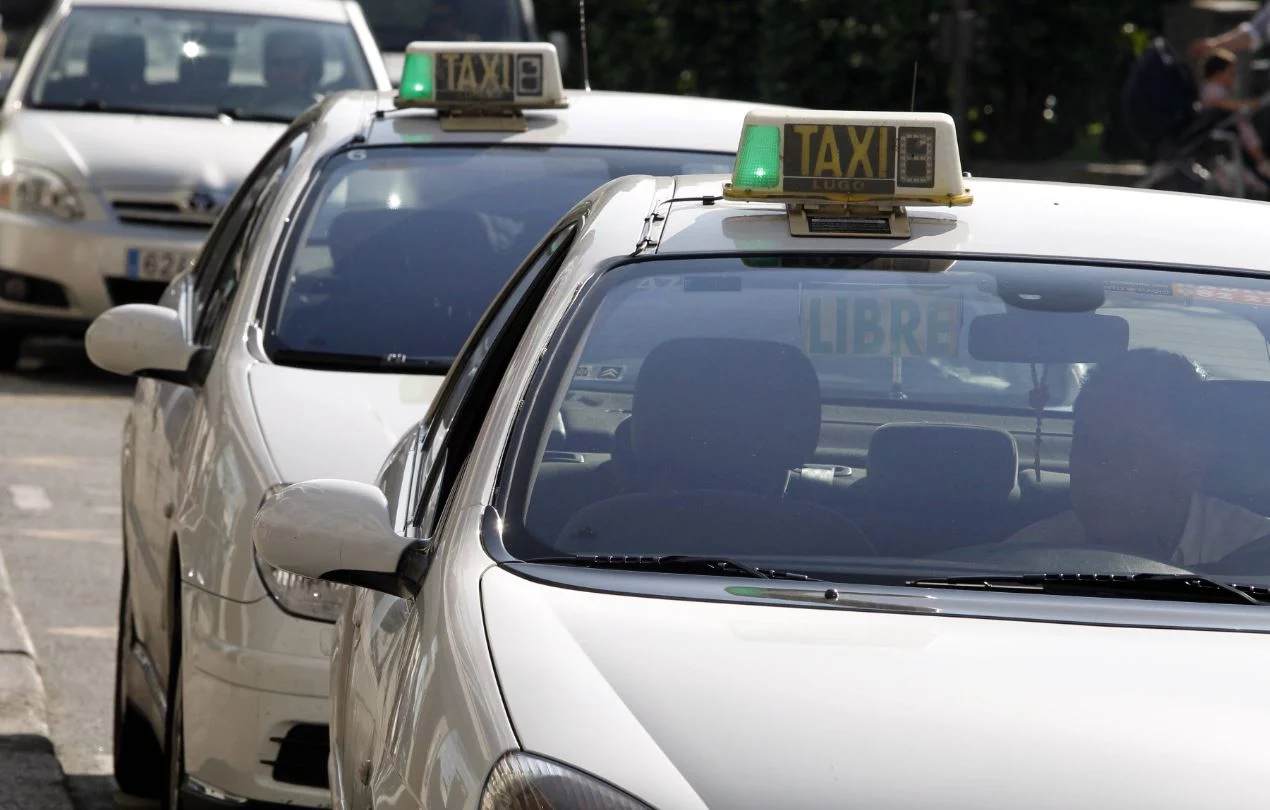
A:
x: 165, y: 439
x: 384, y: 646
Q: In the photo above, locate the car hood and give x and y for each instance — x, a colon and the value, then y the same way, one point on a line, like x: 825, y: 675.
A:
x: 699, y: 705
x: 333, y: 424
x: 140, y: 152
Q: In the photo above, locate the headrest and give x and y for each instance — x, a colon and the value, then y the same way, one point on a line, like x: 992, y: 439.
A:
x: 720, y: 412
x: 206, y: 69
x: 360, y: 237
x: 308, y: 45
x: 943, y: 461
x: 117, y: 58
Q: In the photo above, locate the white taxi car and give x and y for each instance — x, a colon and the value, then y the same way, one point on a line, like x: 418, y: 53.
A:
x: 848, y: 481
x: 313, y: 331
x: 128, y: 125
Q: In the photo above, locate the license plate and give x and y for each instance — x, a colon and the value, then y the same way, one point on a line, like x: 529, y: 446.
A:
x: 493, y: 77
x: 157, y: 265
x: 900, y: 325
x: 858, y: 159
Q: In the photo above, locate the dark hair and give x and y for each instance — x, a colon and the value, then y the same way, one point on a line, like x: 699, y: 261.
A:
x: 1166, y: 377
x: 1218, y: 62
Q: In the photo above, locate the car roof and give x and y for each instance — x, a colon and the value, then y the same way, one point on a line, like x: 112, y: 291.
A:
x: 320, y: 10
x: 595, y: 118
x: 1007, y: 217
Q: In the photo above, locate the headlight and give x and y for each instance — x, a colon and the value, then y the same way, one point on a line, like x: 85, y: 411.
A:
x: 523, y: 782
x: 304, y: 597
x: 32, y: 189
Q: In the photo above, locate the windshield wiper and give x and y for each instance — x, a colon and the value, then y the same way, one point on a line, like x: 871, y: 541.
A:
x: 1163, y: 587
x: 674, y: 564
x: 338, y: 361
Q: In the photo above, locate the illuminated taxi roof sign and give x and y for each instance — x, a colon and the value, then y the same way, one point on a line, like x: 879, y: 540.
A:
x: 858, y: 169
x: 474, y: 79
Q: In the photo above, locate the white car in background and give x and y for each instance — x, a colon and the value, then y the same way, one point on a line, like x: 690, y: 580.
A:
x: 128, y: 125
x: 314, y: 329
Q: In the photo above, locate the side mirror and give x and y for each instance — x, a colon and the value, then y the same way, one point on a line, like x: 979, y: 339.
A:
x: 561, y: 40
x: 334, y: 530
x: 142, y: 340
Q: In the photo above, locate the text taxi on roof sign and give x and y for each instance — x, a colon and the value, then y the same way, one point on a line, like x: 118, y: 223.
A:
x: 483, y: 85
x: 849, y: 173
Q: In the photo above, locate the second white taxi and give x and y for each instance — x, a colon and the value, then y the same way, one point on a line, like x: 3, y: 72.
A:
x: 846, y: 481
x: 314, y: 329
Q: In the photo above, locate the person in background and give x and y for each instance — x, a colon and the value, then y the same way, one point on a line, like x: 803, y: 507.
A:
x: 1249, y: 35
x: 1216, y: 93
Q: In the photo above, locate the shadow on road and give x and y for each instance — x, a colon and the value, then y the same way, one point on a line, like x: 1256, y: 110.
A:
x: 98, y: 792
x: 60, y: 367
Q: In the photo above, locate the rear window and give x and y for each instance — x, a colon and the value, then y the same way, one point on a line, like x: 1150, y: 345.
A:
x: 402, y: 249
x: 886, y: 419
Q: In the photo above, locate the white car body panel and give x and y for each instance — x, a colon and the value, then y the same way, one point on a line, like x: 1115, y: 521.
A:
x: 690, y: 702
x: 327, y: 424
x: 139, y: 153
x: 1008, y: 217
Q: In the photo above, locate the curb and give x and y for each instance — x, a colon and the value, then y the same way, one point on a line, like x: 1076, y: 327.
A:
x: 30, y: 775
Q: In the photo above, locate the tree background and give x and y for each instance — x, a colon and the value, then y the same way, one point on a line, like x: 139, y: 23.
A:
x: 1044, y: 76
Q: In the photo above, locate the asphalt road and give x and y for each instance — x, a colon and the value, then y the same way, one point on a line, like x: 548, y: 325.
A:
x: 60, y: 423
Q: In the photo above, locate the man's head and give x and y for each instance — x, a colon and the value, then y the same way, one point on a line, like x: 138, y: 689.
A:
x: 293, y: 62
x: 1220, y: 67
x: 1134, y: 461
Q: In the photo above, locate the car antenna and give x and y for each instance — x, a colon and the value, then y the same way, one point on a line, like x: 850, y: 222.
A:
x: 912, y: 102
x: 586, y: 68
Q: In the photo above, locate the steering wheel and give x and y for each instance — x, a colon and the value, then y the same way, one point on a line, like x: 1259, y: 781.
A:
x: 1048, y: 559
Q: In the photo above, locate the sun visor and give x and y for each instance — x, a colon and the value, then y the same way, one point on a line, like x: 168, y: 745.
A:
x: 1047, y: 337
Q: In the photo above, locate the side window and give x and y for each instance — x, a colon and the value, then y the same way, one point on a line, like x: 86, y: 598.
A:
x: 220, y: 266
x: 442, y: 456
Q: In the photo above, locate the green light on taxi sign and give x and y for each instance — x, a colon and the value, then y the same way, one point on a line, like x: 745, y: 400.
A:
x: 417, y: 78
x: 758, y: 161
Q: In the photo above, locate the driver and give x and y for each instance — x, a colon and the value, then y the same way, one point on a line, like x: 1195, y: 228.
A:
x: 1136, y: 470
x: 293, y: 66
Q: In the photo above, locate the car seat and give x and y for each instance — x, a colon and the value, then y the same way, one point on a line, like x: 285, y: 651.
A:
x: 935, y: 487
x: 413, y: 280
x: 716, y: 426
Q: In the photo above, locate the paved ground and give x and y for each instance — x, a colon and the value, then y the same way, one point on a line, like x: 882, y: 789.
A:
x: 60, y: 422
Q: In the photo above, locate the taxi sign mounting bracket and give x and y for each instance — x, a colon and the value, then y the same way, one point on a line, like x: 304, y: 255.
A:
x: 849, y: 221
x: 473, y: 119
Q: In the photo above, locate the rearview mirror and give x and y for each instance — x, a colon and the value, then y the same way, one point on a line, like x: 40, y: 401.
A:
x: 141, y: 340
x: 339, y: 531
x: 1047, y: 337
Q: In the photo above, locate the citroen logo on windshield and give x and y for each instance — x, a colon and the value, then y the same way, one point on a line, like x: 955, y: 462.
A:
x: 202, y: 202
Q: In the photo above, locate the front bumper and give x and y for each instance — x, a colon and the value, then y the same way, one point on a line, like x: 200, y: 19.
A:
x: 256, y: 706
x: 73, y: 272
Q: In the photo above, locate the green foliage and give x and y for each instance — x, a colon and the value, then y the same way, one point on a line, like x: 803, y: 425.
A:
x: 1040, y: 72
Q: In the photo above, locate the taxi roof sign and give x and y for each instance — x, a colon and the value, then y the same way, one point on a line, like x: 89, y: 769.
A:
x: 821, y: 158
x: 484, y: 77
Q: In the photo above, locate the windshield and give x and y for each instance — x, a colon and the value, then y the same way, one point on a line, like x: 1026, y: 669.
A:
x: 402, y: 249
x: 195, y: 63
x: 881, y: 420
x: 397, y: 23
